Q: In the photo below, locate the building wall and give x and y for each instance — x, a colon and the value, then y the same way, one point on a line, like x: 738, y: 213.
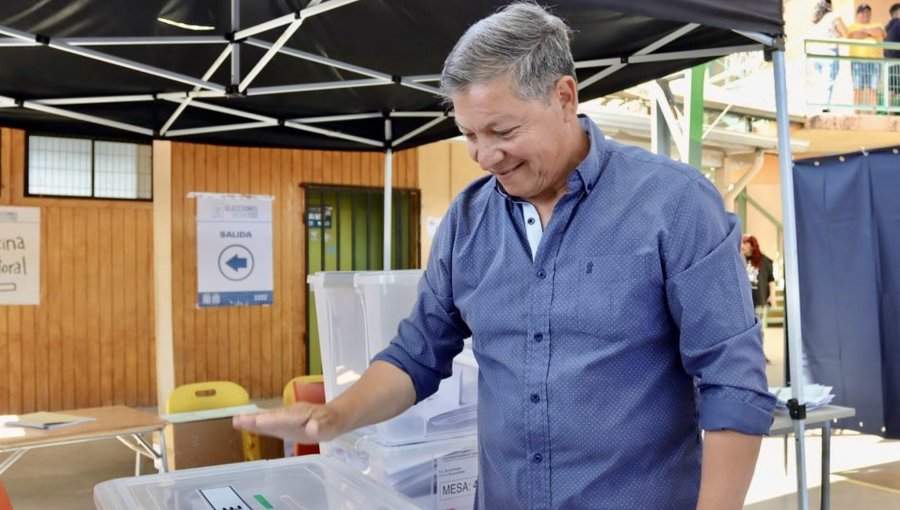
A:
x: 91, y: 341
x: 445, y: 169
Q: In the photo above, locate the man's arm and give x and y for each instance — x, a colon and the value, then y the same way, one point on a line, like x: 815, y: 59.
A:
x: 729, y: 459
x: 383, y: 391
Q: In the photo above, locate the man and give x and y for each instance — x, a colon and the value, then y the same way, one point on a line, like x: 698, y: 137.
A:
x: 598, y: 282
x: 893, y: 36
x: 865, y: 67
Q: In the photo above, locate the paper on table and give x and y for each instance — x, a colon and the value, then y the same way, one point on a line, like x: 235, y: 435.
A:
x: 45, y: 420
x: 816, y: 395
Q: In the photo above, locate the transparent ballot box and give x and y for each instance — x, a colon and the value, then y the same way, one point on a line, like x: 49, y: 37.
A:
x: 311, y: 482
x: 437, y: 475
x: 358, y: 315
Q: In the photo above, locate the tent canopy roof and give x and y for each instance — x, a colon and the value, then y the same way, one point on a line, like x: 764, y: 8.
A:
x: 380, y: 58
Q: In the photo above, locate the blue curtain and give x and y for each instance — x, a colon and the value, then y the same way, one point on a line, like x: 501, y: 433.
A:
x: 848, y: 242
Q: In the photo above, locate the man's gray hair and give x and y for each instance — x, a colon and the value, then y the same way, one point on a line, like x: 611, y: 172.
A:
x: 523, y: 42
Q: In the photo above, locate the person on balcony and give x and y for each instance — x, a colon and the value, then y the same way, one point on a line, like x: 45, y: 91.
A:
x: 893, y: 36
x: 865, y: 66
x: 826, y: 25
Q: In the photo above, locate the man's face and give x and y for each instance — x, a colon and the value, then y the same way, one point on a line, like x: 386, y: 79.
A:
x: 746, y: 249
x: 519, y: 141
x: 864, y: 16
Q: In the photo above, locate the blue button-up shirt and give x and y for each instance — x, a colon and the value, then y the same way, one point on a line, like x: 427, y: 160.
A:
x: 603, y: 353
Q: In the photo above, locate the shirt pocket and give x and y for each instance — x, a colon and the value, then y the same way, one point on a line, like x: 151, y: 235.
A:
x: 610, y: 297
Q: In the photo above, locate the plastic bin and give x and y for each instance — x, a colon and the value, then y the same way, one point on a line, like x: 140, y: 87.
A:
x: 450, y: 412
x: 358, y: 315
x: 312, y: 482
x: 342, y: 330
x: 387, y: 298
x: 437, y: 475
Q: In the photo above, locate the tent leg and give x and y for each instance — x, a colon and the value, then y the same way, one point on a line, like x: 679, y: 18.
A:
x: 792, y: 290
x: 388, y: 195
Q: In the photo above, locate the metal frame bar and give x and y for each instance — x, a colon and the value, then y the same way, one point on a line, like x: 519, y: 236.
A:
x: 270, y: 54
x: 388, y: 195
x: 664, y: 104
x: 792, y: 289
x: 414, y: 132
x: 219, y: 129
x: 235, y: 46
x: 142, y: 41
x: 765, y: 40
x: 209, y: 72
x: 231, y: 111
x: 333, y: 133
x: 311, y: 87
x: 319, y: 59
x: 311, y: 10
x: 643, y: 51
x: 137, y: 98
x: 15, y: 43
x: 9, y: 461
x: 32, y: 105
x: 339, y: 118
x: 135, y: 66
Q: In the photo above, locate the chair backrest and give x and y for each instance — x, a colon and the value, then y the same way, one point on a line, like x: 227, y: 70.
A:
x: 305, y: 388
x: 296, y: 390
x: 203, y: 396
x: 5, y: 503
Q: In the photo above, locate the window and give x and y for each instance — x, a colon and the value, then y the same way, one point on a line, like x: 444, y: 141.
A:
x: 75, y: 167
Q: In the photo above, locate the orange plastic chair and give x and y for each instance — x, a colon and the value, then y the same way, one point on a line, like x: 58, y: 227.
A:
x: 305, y: 388
x: 204, y: 396
x: 5, y: 503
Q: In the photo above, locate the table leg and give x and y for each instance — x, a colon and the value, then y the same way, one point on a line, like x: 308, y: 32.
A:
x: 11, y: 460
x: 826, y: 465
x: 164, y: 456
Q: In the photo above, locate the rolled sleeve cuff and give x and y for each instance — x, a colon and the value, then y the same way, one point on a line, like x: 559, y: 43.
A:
x: 425, y: 381
x: 718, y: 414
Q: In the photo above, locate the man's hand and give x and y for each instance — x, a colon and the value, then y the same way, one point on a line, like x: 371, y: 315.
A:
x: 383, y: 391
x: 302, y: 422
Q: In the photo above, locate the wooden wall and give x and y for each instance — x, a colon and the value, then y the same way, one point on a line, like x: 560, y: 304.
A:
x: 91, y: 340
x: 261, y: 348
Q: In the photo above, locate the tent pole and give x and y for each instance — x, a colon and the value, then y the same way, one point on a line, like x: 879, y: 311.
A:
x: 388, y: 193
x: 235, y: 47
x: 792, y: 289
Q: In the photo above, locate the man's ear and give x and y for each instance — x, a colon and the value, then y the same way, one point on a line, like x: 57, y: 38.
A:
x: 566, y: 92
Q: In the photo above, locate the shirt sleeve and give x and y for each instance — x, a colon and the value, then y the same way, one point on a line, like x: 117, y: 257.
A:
x: 432, y: 335
x: 709, y: 298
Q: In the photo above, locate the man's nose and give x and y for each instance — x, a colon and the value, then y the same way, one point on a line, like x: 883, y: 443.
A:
x: 488, y: 156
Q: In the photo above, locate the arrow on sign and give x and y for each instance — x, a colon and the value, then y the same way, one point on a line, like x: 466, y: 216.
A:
x: 236, y: 263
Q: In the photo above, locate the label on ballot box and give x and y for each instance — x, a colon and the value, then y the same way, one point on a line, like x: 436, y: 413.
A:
x: 456, y: 480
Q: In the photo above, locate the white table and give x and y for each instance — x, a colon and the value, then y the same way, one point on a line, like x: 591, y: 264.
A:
x: 817, y: 418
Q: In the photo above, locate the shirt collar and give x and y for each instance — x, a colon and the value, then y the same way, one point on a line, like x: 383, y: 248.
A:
x: 587, y: 173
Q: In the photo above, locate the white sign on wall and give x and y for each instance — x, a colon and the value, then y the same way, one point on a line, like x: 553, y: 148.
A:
x: 20, y: 256
x: 234, y: 250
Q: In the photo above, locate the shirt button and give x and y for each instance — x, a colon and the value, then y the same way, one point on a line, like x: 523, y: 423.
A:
x: 541, y: 274
x: 538, y: 337
x: 535, y: 398
x: 537, y: 458
x: 531, y: 221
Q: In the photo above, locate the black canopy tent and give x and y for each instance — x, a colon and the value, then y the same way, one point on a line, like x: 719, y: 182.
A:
x: 385, y: 59
x: 339, y: 74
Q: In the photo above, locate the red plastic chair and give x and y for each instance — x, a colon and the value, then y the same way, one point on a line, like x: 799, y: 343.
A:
x: 5, y: 503
x: 306, y: 388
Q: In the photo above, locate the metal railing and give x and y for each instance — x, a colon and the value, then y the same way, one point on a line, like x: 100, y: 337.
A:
x: 836, y: 80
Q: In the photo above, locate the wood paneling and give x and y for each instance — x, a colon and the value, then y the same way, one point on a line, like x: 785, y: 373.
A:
x: 260, y: 348
x: 91, y: 340
x: 84, y: 344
